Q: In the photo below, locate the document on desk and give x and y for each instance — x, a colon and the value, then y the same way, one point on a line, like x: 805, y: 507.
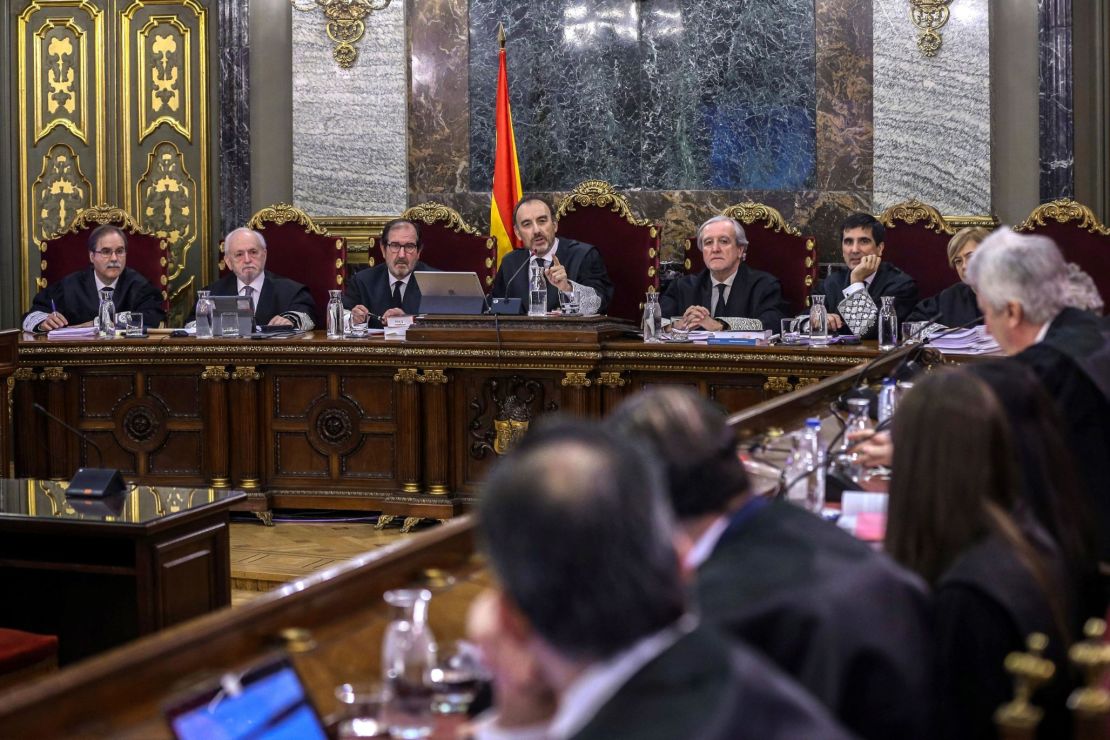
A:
x: 973, y: 341
x: 72, y: 332
x: 743, y: 338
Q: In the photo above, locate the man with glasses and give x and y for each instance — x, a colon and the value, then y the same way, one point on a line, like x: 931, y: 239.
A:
x: 278, y: 301
x: 388, y: 289
x: 75, y: 299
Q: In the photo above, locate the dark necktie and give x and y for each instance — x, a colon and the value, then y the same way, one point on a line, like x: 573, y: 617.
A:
x: 719, y: 309
x: 248, y: 291
x: 397, y: 294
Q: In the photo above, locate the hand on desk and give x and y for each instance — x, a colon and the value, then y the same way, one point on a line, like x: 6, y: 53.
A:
x: 873, y: 448
x: 835, y: 322
x: 697, y: 317
x: 279, y: 320
x: 52, y: 321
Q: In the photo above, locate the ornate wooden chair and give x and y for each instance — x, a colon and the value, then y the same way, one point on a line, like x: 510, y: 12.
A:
x: 451, y: 244
x: 1080, y: 236
x: 917, y: 238
x: 297, y: 248
x: 69, y: 252
x: 595, y: 213
x: 775, y: 247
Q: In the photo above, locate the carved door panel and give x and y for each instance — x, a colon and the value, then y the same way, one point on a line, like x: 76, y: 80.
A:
x: 113, y: 107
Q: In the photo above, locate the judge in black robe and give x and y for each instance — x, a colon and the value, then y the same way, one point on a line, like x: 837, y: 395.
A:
x: 754, y: 302
x: 954, y: 306
x: 371, y: 288
x: 862, y: 319
x: 75, y: 296
x: 583, y: 265
x: 279, y: 297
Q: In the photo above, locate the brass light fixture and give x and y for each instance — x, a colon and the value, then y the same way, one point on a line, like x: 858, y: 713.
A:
x: 929, y: 16
x: 345, y: 24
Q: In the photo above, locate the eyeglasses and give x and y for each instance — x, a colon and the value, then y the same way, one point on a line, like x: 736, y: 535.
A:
x: 408, y: 247
x: 106, y: 253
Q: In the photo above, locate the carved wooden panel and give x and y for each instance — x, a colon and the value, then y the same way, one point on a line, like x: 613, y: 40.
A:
x: 62, y: 135
x: 191, y: 576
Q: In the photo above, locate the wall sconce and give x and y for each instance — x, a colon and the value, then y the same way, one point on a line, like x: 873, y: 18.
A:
x: 345, y: 24
x: 929, y: 16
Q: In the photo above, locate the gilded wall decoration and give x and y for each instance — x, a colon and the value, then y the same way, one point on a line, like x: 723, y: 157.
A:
x: 164, y: 72
x: 60, y: 190
x: 167, y: 195
x: 61, y: 83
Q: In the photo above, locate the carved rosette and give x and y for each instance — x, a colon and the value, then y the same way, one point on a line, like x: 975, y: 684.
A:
x: 432, y: 213
x: 912, y: 211
x: 1064, y: 211
x: 750, y: 212
x: 143, y: 424
x: 333, y: 426
x: 283, y: 213
x: 599, y: 194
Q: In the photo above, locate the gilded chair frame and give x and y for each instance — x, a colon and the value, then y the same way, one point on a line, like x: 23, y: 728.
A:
x: 431, y: 212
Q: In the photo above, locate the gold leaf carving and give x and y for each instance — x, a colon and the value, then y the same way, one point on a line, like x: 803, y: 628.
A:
x: 60, y: 85
x: 168, y: 197
x: 912, y: 211
x: 749, y: 213
x: 60, y: 190
x: 599, y: 194
x: 431, y: 213
x: 283, y: 213
x: 104, y: 214
x: 1064, y: 211
x: 164, y: 76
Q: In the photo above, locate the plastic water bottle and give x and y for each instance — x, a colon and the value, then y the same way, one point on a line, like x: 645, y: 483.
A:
x: 537, y: 290
x: 652, y: 323
x: 887, y: 399
x: 818, y: 322
x: 888, y: 324
x: 335, y: 314
x: 107, y: 314
x: 205, y: 308
x: 805, y: 468
x: 859, y: 420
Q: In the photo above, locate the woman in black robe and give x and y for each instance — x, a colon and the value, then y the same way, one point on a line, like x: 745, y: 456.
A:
x: 956, y: 304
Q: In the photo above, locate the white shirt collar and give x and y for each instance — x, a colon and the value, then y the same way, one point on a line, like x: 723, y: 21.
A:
x: 727, y: 281
x: 1044, y: 331
x: 549, y: 255
x: 707, y: 543
x: 101, y: 285
x: 256, y: 284
x: 394, y: 279
x: 599, y: 683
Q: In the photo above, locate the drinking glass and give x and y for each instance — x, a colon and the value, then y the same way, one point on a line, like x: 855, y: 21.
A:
x: 123, y: 319
x: 789, y: 331
x: 363, y: 704
x: 678, y: 329
x: 229, y: 324
x: 569, y: 303
x: 134, y: 325
x: 360, y: 328
x: 456, y: 679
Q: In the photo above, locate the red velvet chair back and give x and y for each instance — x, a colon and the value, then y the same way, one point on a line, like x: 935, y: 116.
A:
x: 451, y: 244
x: 917, y: 237
x: 69, y: 251
x: 1080, y: 236
x: 774, y: 246
x: 298, y: 249
x: 596, y: 214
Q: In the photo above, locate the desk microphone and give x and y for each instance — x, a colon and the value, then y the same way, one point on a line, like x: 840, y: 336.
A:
x: 909, y: 362
x: 96, y: 482
x: 504, y: 304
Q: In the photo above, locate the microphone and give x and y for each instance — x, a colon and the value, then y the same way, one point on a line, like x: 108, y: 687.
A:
x: 910, y: 360
x: 96, y: 482
x: 505, y: 304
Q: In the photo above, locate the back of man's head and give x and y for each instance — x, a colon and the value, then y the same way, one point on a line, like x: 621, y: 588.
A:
x: 580, y: 536
x: 697, y: 448
x: 1024, y: 268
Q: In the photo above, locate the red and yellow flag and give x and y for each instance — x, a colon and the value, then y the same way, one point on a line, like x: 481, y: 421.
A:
x: 506, y: 168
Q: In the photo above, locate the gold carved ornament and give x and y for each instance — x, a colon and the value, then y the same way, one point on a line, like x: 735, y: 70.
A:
x: 283, y: 213
x: 1064, y: 211
x: 346, y: 25
x: 912, y: 211
x: 433, y: 213
x: 749, y: 213
x: 60, y: 191
x: 1030, y: 670
x: 164, y: 77
x: 575, y: 380
x: 61, y: 94
x: 929, y: 16
x: 599, y: 194
x: 777, y: 384
x: 168, y: 200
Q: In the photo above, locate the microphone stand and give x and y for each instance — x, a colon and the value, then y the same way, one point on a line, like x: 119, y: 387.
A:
x: 95, y: 482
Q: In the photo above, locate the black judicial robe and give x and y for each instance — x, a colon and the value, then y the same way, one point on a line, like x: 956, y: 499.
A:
x: 986, y: 605
x: 1073, y: 364
x: 889, y: 280
x: 703, y: 688
x: 278, y: 296
x: 583, y: 264
x: 755, y: 295
x: 956, y: 305
x: 848, y: 623
x: 370, y: 288
x: 78, y: 300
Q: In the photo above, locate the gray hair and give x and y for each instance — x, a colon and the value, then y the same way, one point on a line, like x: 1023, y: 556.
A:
x: 1025, y: 268
x: 737, y: 229
x: 1081, y: 292
x: 244, y: 230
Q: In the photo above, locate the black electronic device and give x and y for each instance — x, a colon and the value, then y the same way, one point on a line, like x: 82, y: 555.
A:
x: 93, y: 482
x: 510, y: 306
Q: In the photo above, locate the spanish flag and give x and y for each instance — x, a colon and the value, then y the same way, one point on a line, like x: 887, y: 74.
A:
x: 506, y: 168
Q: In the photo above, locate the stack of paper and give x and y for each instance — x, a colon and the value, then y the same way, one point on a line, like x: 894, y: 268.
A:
x: 973, y: 341
x: 73, y: 332
x: 732, y: 337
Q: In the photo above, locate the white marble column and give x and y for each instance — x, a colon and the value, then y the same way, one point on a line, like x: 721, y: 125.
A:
x: 350, y: 125
x: 933, y: 114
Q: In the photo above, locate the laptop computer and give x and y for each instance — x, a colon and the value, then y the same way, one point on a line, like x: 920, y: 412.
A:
x: 239, y: 305
x: 450, y: 293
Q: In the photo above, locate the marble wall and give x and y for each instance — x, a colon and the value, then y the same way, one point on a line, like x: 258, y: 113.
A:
x: 233, y: 50
x: 933, y: 114
x: 1057, y: 124
x: 350, y: 125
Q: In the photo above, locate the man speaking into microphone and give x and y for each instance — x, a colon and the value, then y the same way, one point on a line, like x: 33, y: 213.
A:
x: 568, y: 265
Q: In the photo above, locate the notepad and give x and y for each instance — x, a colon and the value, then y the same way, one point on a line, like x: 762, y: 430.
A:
x: 72, y: 332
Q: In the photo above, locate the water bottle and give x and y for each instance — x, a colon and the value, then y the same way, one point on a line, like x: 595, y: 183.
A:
x: 409, y: 654
x: 537, y: 290
x: 815, y: 493
x: 859, y: 420
x: 652, y: 323
x: 887, y: 399
x: 818, y: 322
x: 888, y: 324
x: 335, y: 314
x: 107, y: 314
x: 205, y: 309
